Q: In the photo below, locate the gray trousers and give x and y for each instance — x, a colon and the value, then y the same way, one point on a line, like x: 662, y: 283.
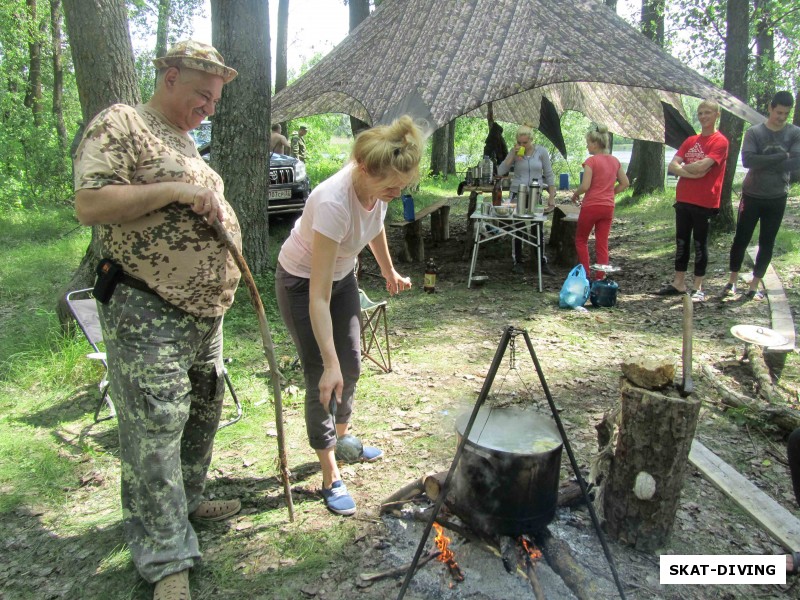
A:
x: 165, y: 369
x: 292, y: 296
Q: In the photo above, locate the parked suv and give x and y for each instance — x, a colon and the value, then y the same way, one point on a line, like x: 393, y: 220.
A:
x: 288, y: 182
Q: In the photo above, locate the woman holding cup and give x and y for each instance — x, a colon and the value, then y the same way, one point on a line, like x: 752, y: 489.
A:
x: 529, y: 161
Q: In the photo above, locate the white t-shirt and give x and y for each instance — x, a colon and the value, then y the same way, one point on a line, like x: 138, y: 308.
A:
x: 334, y: 211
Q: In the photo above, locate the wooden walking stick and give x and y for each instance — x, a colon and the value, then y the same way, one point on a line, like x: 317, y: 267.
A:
x: 269, y: 350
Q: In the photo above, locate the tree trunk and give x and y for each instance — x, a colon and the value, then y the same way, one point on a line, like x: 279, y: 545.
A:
x: 103, y: 57
x: 58, y: 75
x: 653, y: 443
x: 240, y: 145
x: 281, y: 52
x: 737, y: 54
x: 358, y: 11
x: 102, y: 53
x: 33, y: 94
x: 162, y: 30
x: 646, y: 169
x: 795, y: 176
x: 439, y: 151
x: 650, y: 173
x: 451, y: 147
x: 764, y: 73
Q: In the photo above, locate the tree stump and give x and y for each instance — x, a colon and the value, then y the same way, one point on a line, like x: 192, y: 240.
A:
x: 562, y: 235
x: 646, y: 473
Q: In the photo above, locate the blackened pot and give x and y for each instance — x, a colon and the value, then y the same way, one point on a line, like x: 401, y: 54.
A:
x: 506, y: 482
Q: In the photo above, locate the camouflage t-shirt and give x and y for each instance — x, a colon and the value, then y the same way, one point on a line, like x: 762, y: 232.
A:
x: 172, y: 249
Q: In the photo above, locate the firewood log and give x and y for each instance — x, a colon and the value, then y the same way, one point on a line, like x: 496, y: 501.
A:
x: 407, y: 492
x: 560, y: 558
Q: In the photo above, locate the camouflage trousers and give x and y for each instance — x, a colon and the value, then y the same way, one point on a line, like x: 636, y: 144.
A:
x: 166, y: 374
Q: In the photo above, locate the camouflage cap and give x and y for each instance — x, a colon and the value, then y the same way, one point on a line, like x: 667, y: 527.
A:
x: 198, y: 56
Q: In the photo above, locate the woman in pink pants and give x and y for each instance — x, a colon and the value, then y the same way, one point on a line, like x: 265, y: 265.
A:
x: 603, y: 178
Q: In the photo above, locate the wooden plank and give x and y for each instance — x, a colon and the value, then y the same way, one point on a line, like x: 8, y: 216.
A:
x: 780, y: 312
x: 422, y: 213
x: 782, y: 525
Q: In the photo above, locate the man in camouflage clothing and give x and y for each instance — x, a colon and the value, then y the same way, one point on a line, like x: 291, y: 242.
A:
x: 140, y: 178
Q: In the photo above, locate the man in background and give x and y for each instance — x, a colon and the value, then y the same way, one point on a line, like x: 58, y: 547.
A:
x: 278, y: 142
x: 770, y: 152
x: 299, y: 144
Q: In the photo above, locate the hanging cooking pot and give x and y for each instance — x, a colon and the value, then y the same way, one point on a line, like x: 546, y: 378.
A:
x: 506, y: 482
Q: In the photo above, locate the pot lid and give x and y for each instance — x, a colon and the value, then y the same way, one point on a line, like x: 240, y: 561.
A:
x: 511, y: 429
x: 761, y: 336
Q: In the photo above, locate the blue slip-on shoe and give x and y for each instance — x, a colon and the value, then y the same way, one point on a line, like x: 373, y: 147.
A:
x: 370, y: 454
x: 338, y: 500
x: 347, y: 454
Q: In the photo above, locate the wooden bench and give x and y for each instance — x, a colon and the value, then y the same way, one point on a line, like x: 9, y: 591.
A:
x: 562, y: 235
x: 413, y: 244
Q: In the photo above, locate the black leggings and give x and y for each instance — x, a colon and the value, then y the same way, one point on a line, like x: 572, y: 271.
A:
x: 293, y: 302
x: 770, y: 212
x: 692, y: 220
x: 793, y: 452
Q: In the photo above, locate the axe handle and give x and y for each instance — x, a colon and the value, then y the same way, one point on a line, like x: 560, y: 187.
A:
x: 269, y: 351
x: 687, y: 385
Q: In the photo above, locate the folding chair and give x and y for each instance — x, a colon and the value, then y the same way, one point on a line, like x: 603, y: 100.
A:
x: 83, y: 308
x: 372, y: 313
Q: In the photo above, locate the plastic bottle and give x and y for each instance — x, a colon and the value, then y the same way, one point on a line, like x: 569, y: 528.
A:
x: 487, y: 169
x: 497, y: 193
x: 429, y: 285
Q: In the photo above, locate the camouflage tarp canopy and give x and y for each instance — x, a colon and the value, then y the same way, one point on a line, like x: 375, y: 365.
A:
x: 439, y: 59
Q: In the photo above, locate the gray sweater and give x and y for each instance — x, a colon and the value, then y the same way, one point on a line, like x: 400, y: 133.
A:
x: 770, y: 156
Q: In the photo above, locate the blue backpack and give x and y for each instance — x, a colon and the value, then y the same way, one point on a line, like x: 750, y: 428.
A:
x: 575, y: 291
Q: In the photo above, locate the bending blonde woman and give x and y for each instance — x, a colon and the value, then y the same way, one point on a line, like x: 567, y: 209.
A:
x: 317, y: 291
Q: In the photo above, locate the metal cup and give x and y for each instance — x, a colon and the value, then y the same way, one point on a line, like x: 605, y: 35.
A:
x: 486, y: 208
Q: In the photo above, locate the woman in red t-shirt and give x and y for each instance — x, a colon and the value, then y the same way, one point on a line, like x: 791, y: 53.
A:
x: 603, y: 178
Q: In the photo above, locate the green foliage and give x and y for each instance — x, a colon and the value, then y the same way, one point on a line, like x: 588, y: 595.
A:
x: 34, y: 168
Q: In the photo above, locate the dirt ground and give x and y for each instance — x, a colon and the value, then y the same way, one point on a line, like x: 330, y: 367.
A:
x: 442, y: 347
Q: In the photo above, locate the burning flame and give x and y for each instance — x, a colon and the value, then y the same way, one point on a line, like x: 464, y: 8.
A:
x: 447, y: 556
x: 533, y: 552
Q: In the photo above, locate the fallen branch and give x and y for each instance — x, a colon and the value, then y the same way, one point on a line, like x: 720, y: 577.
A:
x: 369, y: 577
x: 766, y: 387
x: 783, y: 417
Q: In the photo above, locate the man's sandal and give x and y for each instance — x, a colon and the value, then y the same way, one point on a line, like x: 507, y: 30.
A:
x: 795, y: 563
x: 216, y: 510
x: 173, y: 587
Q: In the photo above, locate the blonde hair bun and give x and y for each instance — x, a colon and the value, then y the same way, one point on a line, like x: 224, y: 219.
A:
x: 387, y: 150
x: 599, y: 135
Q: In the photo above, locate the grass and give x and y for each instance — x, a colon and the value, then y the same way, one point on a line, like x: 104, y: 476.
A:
x: 58, y: 470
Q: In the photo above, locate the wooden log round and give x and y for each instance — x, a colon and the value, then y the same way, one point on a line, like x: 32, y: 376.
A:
x: 655, y: 436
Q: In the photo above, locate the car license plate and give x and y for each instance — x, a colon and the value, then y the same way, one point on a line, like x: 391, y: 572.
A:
x: 280, y: 194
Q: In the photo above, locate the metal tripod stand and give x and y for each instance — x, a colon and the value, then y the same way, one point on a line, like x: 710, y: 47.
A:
x: 508, y: 333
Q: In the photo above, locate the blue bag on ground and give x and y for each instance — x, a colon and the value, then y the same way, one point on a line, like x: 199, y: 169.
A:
x: 408, y: 207
x: 604, y: 293
x: 575, y: 291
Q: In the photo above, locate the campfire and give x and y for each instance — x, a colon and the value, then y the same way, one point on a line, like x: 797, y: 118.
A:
x: 447, y: 556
